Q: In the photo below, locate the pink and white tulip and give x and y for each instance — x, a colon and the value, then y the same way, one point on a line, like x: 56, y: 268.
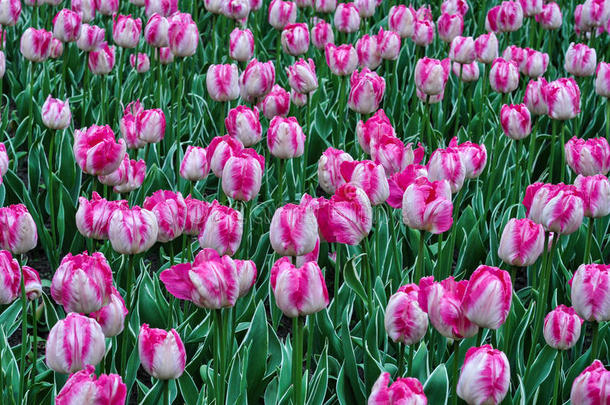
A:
x: 107, y: 7
x: 588, y: 157
x: 85, y: 8
x: 404, y: 320
x: 431, y: 75
x: 164, y: 7
x: 162, y: 353
x: 535, y: 63
x: 183, y: 35
x: 101, y: 60
x: 170, y: 209
x: 322, y: 34
x: 488, y: 297
x: 521, y: 243
x: 486, y: 48
x: 562, y: 328
x: 96, y: 150
x: 276, y: 103
x: 93, y: 216
x: 222, y: 82
x: 378, y: 126
x: 243, y: 123
x: 550, y: 18
x: 399, y: 182
x: 285, y: 138
x: 329, y: 169
x: 595, y: 192
x: 56, y: 113
x: 302, y: 76
x: 67, y: 25
x: 591, y: 386
x: 156, y: 31
x: 347, y: 217
x: 10, y: 278
x: 111, y: 317
x: 516, y: 121
x: 423, y: 32
x: 484, y: 377
x: 126, y: 30
x: 450, y: 26
x: 241, y: 45
x: 84, y: 388
x: 391, y: 153
x: 242, y: 175
x: 389, y: 44
x: 368, y: 176
x: 347, y: 17
x: 531, y: 8
x: 367, y: 90
x: 559, y: 208
x: 218, y: 152
x: 562, y: 97
x: 342, y: 60
x: 35, y: 44
x: 427, y: 205
x: 369, y: 54
x: 223, y: 230
x: 401, y: 20
x: 91, y: 36
x: 448, y: 164
x: 462, y: 50
x: 196, y: 214
x: 602, y: 80
x: 195, y: 165
x: 140, y: 62
x: 132, y: 230
x: 295, y: 39
x: 504, y: 76
x: 533, y: 98
x: 407, y: 391
x: 580, y: 60
x: 18, y: 233
x: 10, y: 10
x: 454, y: 6
x: 474, y: 157
x: 293, y: 230
x: 257, y: 79
x: 282, y: 13
x: 591, y: 292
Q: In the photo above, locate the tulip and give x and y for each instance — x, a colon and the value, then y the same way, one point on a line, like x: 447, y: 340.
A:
x: 580, y: 60
x: 486, y: 48
x: 342, y: 60
x: 119, y: 176
x: 550, y: 17
x: 602, y: 80
x: 126, y: 31
x: 56, y: 113
x: 295, y: 39
x: 161, y: 353
x: 101, y: 60
x: 127, y: 125
x: 563, y: 98
x: 511, y: 16
x: 591, y: 292
x: 407, y: 391
x: 562, y: 328
x: 10, y: 278
x: 236, y: 9
x: 282, y: 13
x: 399, y: 182
x: 222, y: 82
x: 257, y: 79
x: 96, y: 151
x: 378, y: 126
x: 467, y: 73
x: 588, y: 157
x: 73, y: 343
x: 368, y: 176
x: 132, y: 230
x: 442, y: 302
x: 243, y: 174
x: 219, y: 151
x: 223, y: 230
x: 462, y: 50
x: 516, y: 121
x: 246, y: 275
x: 196, y: 214
x: 595, y: 192
x: 183, y: 35
x: 369, y: 53
x: 367, y: 89
x: 533, y: 98
x: 401, y: 20
x: 504, y: 76
x: 484, y: 377
x: 85, y: 9
x: 454, y: 6
x: 293, y: 231
x: 391, y: 153
x: 347, y: 217
x: 166, y: 56
x: 90, y: 38
x: 84, y: 388
x: 388, y: 44
x: 448, y: 164
x: 535, y: 63
x: 111, y: 317
x: 18, y: 232
x: 515, y: 54
x: 156, y: 31
x: 591, y: 386
x: 298, y: 99
x: 285, y: 138
x: 241, y: 45
x: 325, y: 6
x: 522, y: 242
x: 276, y: 102
x: 431, y: 75
x: 195, y: 165
x: 488, y: 297
x: 9, y: 12
x: 67, y: 25
x: 595, y: 13
x: 474, y: 157
x: 404, y: 320
x: 150, y: 125
x: 244, y: 124
x: 107, y: 7
x: 35, y: 44
x: 298, y: 291
x: 423, y: 32
x: 322, y: 34
x: 559, y: 208
x: 93, y: 216
x: 302, y: 76
x: 170, y: 210
x: 580, y: 23
x: 329, y: 173
x: 347, y: 18
x: 164, y: 7
x: 450, y: 26
x: 427, y: 205
x: 141, y: 62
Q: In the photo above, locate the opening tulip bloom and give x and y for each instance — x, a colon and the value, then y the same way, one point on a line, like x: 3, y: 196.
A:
x: 367, y: 90
x: 595, y: 192
x: 559, y: 208
x: 378, y: 126
x: 10, y: 278
x: 156, y: 31
x: 243, y: 174
x: 448, y: 164
x: 504, y: 76
x: 161, y: 353
x: 35, y: 44
x: 223, y: 230
x: 195, y: 165
x: 347, y: 18
x: 241, y: 45
x: 431, y: 75
x: 67, y: 25
x: 450, y: 26
x: 427, y: 206
x: 580, y: 60
x: 369, y: 52
x: 243, y: 123
x: 484, y: 377
x: 128, y: 177
x: 486, y: 48
x: 591, y: 292
x: 488, y: 297
x: 183, y: 35
x: 101, y: 60
x: 535, y: 63
x: 295, y: 39
x: 73, y: 343
x: 423, y: 32
x: 399, y: 182
x: 591, y: 386
x: 562, y: 328
x: 401, y: 20
x: 132, y: 230
x: 285, y: 138
x: 562, y: 97
x: 282, y: 13
x: 111, y: 316
x: 96, y: 150
x: 388, y: 44
x: 163, y: 7
x: 533, y: 98
x: 170, y: 209
x: 90, y: 38
x: 257, y: 79
x: 18, y: 233
x: 474, y: 157
x: 56, y: 113
x: 602, y: 79
x: 219, y: 151
x: 329, y: 173
x: 10, y: 10
x: 276, y: 103
x: 298, y: 291
x: 347, y: 217
x: 222, y: 82
x: 588, y: 157
x: 84, y: 388
x: 107, y: 7
x: 522, y: 242
x: 516, y: 121
x: 302, y: 76
x: 407, y: 391
x: 342, y: 60
x: 293, y: 230
x: 404, y: 320
x: 462, y: 50
x: 126, y: 30
x: 368, y: 176
x: 93, y: 216
x: 322, y: 34
x: 196, y: 214
x: 550, y: 18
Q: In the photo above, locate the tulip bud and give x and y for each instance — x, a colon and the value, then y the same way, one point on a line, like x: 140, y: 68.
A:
x: 431, y: 75
x: 56, y: 113
x: 562, y: 328
x: 342, y: 60
x: 522, y: 242
x: 35, y: 44
x: 533, y: 99
x: 488, y: 297
x: 535, y: 63
x: 222, y: 82
x: 90, y: 38
x: 329, y: 164
x: 484, y: 377
x: 377, y: 127
x: 450, y: 26
x: 298, y: 99
x: 462, y: 50
x: 407, y: 391
x: 10, y: 10
x: 241, y: 45
x: 150, y: 125
x: 550, y: 17
x: 369, y: 53
x: 591, y: 292
x: 161, y: 353
x: 427, y: 206
x: 10, y: 278
x: 347, y: 217
x: 388, y: 43
x: 563, y: 98
x: 504, y: 76
x: 347, y: 18
x: 325, y: 6
x: 447, y: 164
x: 367, y: 90
x: 368, y: 176
x: 454, y: 7
x: 423, y: 32
x: 165, y: 56
x: 404, y: 321
x: 132, y: 230
x: 282, y: 13
x: 322, y: 34
x: 196, y: 214
x: 285, y: 138
x: 588, y: 157
x: 84, y: 388
x: 85, y: 9
x: 220, y: 150
x: 223, y: 230
x: 111, y: 316
x: 595, y: 192
x: 293, y: 231
x: 141, y: 63
x: 302, y: 76
x: 401, y: 20
x: 559, y: 208
x: 18, y: 232
x: 101, y: 60
x: 170, y: 210
x: 127, y: 125
x: 107, y: 7
x: 32, y: 283
x: 486, y: 48
x: 244, y: 124
x: 67, y: 25
x: 580, y: 60
x: 96, y: 151
x: 591, y: 386
x: 164, y: 7
x: 183, y: 35
x: 236, y: 9
x: 516, y: 121
x: 276, y: 103
x: 126, y: 30
x: 73, y: 343
x: 156, y: 31
x: 257, y: 79
x: 295, y: 39
x: 93, y: 216
x: 602, y: 80
x: 298, y: 291
x: 195, y: 165
x: 243, y: 174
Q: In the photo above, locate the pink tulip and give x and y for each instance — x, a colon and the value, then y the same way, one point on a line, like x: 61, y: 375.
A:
x: 3, y: 161
x: 486, y: 48
x: 67, y: 25
x: 580, y: 60
x: 56, y: 113
x: 467, y: 73
x: 107, y: 7
x: 431, y: 75
x: 241, y: 45
x: 161, y: 353
x: 347, y: 217
x: 531, y: 8
x: 325, y: 6
x: 150, y: 125
x: 219, y: 151
x: 562, y: 328
x: 223, y: 230
x: 401, y: 20
x: 3, y: 64
x: 85, y: 9
x: 170, y: 209
x: 602, y: 80
x: 73, y: 343
x: 369, y: 53
x: 196, y: 214
x: 391, y: 153
x: 276, y: 103
x: 35, y: 44
x: 510, y: 16
x: 183, y: 34
x: 141, y: 62
x: 588, y: 157
x: 90, y: 38
x: 450, y: 26
x: 101, y: 60
x: 591, y: 292
x: 111, y: 317
x: 347, y: 18
x: 322, y: 34
x: 488, y: 297
x: 388, y: 43
x: 329, y: 173
x: 423, y: 32
x: 580, y: 24
x: 165, y: 56
x: 293, y: 230
x: 285, y: 138
x: 595, y: 12
x: 10, y: 278
x: 367, y: 90
x: 236, y: 9
x: 96, y: 151
x: 403, y: 391
x: 32, y: 283
x: 591, y: 386
x: 222, y: 82
x: 515, y: 54
x: 595, y: 192
x: 295, y: 39
x: 378, y: 126
x: 399, y: 182
x: 447, y: 164
x: 442, y: 301
x: 195, y: 165
x: 164, y: 7
x: 342, y: 60
x: 368, y: 176
x: 563, y: 98
x: 298, y: 291
x: 474, y: 157
x: 282, y: 13
x: 522, y: 242
x: 533, y: 99
x: 504, y: 76
x: 9, y: 12
x: 454, y: 6
x: 516, y: 121
x: 298, y: 99
x: 550, y: 17
x: 559, y: 208
x: 404, y: 320
x: 484, y: 377
x: 18, y: 232
x: 93, y: 216
x: 156, y: 31
x: 257, y: 79
x: 462, y: 50
x: 127, y: 125
x: 244, y: 124
x: 84, y: 388
x: 535, y: 63
x: 126, y: 30
x: 243, y: 174
x: 427, y: 205
x: 132, y: 230
x: 302, y: 76
x: 366, y: 8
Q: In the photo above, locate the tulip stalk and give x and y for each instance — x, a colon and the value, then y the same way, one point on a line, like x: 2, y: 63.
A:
x: 608, y: 119
x: 31, y: 105
x: 456, y: 353
x: 401, y: 360
x: 558, y: 360
x: 531, y: 149
x: 219, y: 354
x: 24, y: 334
x: 517, y: 185
x: 297, y: 360
x: 394, y: 240
x: 594, y: 340
x: 128, y: 304
x: 459, y: 101
x: 166, y: 392
x: 50, y: 190
x: 588, y: 257
x: 420, y: 258
x: 338, y: 268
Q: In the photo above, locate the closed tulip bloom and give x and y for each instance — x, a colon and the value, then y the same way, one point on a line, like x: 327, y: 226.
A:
x: 533, y: 98
x: 378, y: 126
x: 93, y: 216
x: 302, y: 76
x: 602, y: 80
x: 588, y: 157
x: 504, y: 76
x: 220, y: 150
x: 126, y: 31
x: 580, y: 60
x: 67, y: 25
x: 557, y: 207
x: 580, y: 24
x: 423, y: 32
x: 369, y: 54
x: 462, y: 50
x: 141, y: 62
x: 223, y: 230
x: 595, y: 192
x: 342, y: 60
x: 368, y: 176
x: 111, y: 317
x: 322, y: 34
x: 293, y: 230
x: 196, y: 214
x: 165, y: 56
x: 96, y: 151
x: 488, y: 297
x: 347, y: 217
x: 18, y: 232
x: 107, y: 7
x: 550, y: 17
x: 450, y: 26
x: 347, y: 18
x: 391, y: 153
x: 516, y: 121
x: 522, y: 242
x: 515, y: 54
x: 101, y: 60
x: 276, y: 102
x: 298, y: 291
x: 56, y: 113
x: 244, y: 124
x: 285, y: 138
x: 84, y: 388
x: 329, y: 169
x: 161, y: 353
x: 535, y: 63
x: 10, y: 10
x: 246, y: 275
x: 455, y: 6
x: 243, y: 174
x: 183, y: 35
x: 427, y: 206
x: 399, y: 182
x: 35, y: 44
x: 403, y: 391
x: 562, y: 328
x: 595, y: 13
x: 295, y: 39
x: 366, y: 8
x: 591, y: 292
x: 236, y: 9
x: 531, y: 7
x: 127, y: 125
x: 388, y: 43
x: 298, y: 99
x: 222, y: 82
x: 591, y: 386
x: 404, y: 320
x: 3, y: 161
x: 170, y: 209
x: 132, y: 230
x: 401, y: 20
x: 257, y: 79
x: 282, y: 13
x: 85, y: 8
x: 442, y: 302
x: 447, y: 164
x: 510, y: 17
x: 474, y: 157
x: 367, y: 90
x: 32, y: 283
x: 195, y: 165
x: 325, y: 6
x: 10, y: 278
x: 484, y: 377
x: 241, y: 45
x: 156, y: 31
x: 486, y: 48
x: 164, y: 7
x: 563, y: 98
x: 73, y: 343
x: 467, y: 73
x: 431, y: 75
x: 130, y: 175
x: 90, y: 38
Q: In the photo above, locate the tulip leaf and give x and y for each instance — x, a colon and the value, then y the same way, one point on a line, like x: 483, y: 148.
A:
x: 437, y: 386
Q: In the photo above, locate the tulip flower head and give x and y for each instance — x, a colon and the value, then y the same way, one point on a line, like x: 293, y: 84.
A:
x: 162, y: 353
x: 84, y: 388
x: 402, y: 391
x: 484, y: 377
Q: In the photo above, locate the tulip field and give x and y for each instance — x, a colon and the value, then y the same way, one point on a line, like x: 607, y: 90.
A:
x: 311, y: 202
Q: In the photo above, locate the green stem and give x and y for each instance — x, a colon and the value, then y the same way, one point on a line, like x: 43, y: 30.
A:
x: 128, y: 303
x: 479, y: 337
x: 297, y: 365
x: 563, y: 152
x: 420, y: 258
x: 401, y: 360
x: 338, y: 248
x: 24, y: 334
x: 51, y: 200
x: 608, y: 118
x: 34, y: 342
x: 64, y: 69
x: 179, y: 117
x: 553, y: 147
x: 368, y: 277
x: 341, y: 112
x: 280, y: 187
x: 166, y: 392
x: 310, y: 332
x: 556, y: 397
x: 594, y: 340
x: 459, y: 102
x: 306, y: 147
x: 119, y: 80
x: 517, y: 182
x: 588, y: 257
x: 31, y: 105
x: 426, y: 122
x: 531, y: 150
x: 86, y: 98
x: 397, y: 257
x: 103, y: 91
x: 410, y: 360
x: 456, y: 355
